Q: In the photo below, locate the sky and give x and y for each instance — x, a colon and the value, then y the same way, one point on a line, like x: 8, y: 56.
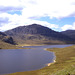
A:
x: 59, y: 15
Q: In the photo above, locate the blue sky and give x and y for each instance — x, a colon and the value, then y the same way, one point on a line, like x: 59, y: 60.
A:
x: 58, y: 15
x: 60, y: 22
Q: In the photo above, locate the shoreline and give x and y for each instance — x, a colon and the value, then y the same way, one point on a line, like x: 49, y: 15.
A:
x: 30, y: 45
x: 51, y: 63
x: 46, y: 65
x: 53, y: 60
x: 67, y: 67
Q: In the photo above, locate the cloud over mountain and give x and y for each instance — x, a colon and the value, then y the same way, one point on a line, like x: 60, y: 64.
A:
x: 32, y: 10
x: 68, y: 27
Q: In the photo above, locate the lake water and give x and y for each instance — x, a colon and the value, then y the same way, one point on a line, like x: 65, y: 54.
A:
x: 19, y: 60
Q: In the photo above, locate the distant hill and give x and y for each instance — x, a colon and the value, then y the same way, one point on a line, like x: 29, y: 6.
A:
x: 38, y: 34
x: 7, y: 39
x: 70, y: 33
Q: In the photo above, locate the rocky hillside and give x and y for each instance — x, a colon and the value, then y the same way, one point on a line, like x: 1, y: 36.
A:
x: 37, y: 33
x: 7, y: 39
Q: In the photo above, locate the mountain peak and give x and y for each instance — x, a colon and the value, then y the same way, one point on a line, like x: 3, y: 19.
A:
x: 34, y: 24
x: 30, y: 29
x: 36, y: 31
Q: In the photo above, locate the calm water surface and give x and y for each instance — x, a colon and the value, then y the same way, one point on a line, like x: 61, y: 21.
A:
x: 19, y: 60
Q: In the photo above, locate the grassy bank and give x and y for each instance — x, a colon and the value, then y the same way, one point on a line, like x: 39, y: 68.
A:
x: 64, y: 65
x: 4, y: 45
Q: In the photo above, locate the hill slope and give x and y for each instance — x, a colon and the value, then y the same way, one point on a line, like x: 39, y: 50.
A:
x: 7, y: 39
x: 38, y: 34
x: 70, y: 33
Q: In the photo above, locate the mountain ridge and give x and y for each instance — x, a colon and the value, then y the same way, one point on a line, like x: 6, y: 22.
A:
x: 36, y: 32
x: 70, y: 33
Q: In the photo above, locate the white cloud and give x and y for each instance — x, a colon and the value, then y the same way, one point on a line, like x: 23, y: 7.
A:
x: 13, y: 3
x: 34, y: 8
x: 16, y: 20
x: 51, y: 8
x: 68, y: 27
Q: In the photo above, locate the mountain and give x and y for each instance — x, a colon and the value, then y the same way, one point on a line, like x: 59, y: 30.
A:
x: 30, y: 29
x: 38, y: 34
x: 70, y: 33
x: 7, y: 39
